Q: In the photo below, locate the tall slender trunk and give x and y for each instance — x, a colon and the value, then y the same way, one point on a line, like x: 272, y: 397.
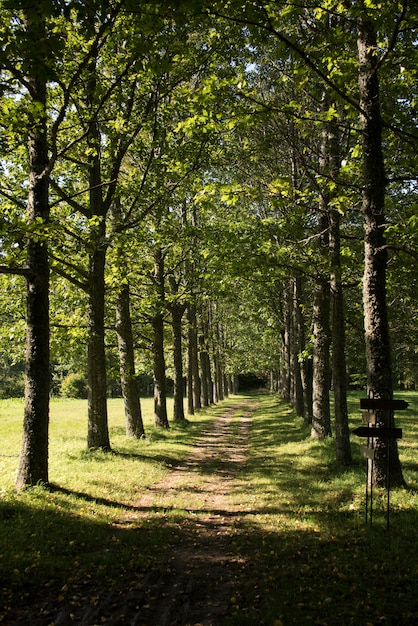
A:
x: 285, y: 374
x: 160, y: 383
x: 321, y: 418
x: 204, y: 368
x: 160, y: 387
x: 307, y: 384
x: 218, y: 368
x: 98, y: 433
x: 33, y: 462
x: 193, y: 377
x: 305, y: 365
x: 330, y: 165
x: 177, y: 311
x: 378, y: 352
x: 296, y: 348
x: 219, y: 377
x: 189, y: 379
x: 339, y: 371
x: 130, y: 391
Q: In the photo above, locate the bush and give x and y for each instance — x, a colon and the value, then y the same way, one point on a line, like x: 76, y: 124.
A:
x: 74, y: 385
x: 12, y: 386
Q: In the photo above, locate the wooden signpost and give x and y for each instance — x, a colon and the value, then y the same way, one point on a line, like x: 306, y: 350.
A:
x: 383, y: 403
x: 383, y: 432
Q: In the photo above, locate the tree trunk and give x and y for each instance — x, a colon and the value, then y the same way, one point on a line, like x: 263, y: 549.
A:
x: 191, y: 351
x: 305, y: 365
x: 227, y: 385
x: 160, y: 387
x: 330, y: 168
x: 208, y: 387
x: 339, y: 371
x: 307, y: 384
x: 285, y: 384
x: 98, y: 433
x: 194, y: 383
x: 177, y: 311
x: 236, y: 384
x: 296, y: 347
x: 189, y: 381
x: 33, y: 463
x: 321, y: 419
x: 160, y: 383
x: 206, y: 379
x: 218, y: 377
x: 378, y: 354
x: 130, y: 391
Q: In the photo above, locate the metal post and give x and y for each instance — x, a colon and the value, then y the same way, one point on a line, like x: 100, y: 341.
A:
x: 367, y: 490
x: 388, y: 482
x: 371, y: 491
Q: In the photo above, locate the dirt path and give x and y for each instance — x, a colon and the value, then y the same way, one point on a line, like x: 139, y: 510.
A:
x: 195, y: 580
x: 200, y: 587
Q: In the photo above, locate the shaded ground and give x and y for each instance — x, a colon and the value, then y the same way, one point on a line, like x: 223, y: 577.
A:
x: 228, y: 540
x: 195, y: 579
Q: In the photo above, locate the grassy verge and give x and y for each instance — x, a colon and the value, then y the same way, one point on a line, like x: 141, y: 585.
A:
x: 319, y: 563
x: 307, y: 556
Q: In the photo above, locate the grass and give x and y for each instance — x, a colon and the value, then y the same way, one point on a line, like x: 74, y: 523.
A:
x: 132, y: 466
x: 322, y: 565
x: 313, y: 560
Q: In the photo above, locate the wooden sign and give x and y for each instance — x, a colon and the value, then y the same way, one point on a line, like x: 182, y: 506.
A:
x: 383, y: 404
x: 381, y: 433
x: 369, y: 418
x: 368, y: 453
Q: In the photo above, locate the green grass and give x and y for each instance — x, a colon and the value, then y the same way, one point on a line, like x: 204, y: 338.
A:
x: 313, y: 560
x: 322, y: 565
x: 132, y: 465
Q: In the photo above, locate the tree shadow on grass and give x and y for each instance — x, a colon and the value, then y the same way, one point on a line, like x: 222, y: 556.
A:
x: 185, y: 568
x: 86, y: 497
x: 101, y: 456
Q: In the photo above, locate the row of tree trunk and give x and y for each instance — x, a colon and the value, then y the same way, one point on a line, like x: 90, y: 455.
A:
x: 206, y: 380
x: 298, y: 383
x: 305, y: 378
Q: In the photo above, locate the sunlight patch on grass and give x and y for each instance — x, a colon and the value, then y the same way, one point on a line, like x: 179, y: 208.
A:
x: 294, y: 476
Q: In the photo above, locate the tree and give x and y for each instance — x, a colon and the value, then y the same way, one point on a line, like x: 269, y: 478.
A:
x: 177, y: 308
x: 104, y: 94
x: 280, y: 23
x: 26, y: 72
x: 378, y: 350
x: 130, y: 391
x: 33, y: 463
x: 157, y: 320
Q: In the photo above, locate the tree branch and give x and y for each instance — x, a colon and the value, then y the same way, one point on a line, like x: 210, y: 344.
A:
x: 399, y: 248
x: 19, y: 271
